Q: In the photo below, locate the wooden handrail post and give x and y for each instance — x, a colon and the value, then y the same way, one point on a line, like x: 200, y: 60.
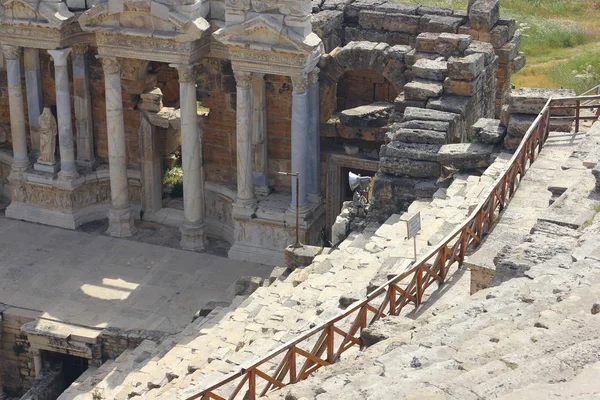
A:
x: 577, y: 111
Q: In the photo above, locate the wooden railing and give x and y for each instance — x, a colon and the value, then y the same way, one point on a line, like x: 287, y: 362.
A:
x: 324, y: 344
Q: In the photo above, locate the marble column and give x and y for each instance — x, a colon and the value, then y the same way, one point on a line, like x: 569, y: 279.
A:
x: 120, y: 215
x: 314, y: 138
x: 193, y: 235
x: 82, y: 100
x: 260, y: 172
x: 37, y: 361
x: 17, y: 109
x: 35, y: 95
x: 68, y: 169
x: 245, y: 189
x: 300, y: 140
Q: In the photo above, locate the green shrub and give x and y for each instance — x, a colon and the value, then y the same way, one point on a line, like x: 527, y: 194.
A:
x: 173, y: 181
x: 581, y: 72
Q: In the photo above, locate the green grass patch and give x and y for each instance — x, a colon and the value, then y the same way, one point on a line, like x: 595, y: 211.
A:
x: 547, y: 36
x: 580, y: 72
x: 173, y: 181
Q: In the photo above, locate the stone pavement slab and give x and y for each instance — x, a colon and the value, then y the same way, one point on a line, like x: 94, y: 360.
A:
x: 98, y: 281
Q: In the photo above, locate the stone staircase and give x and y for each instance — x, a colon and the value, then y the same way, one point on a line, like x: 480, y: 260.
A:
x: 231, y: 337
x: 532, y: 337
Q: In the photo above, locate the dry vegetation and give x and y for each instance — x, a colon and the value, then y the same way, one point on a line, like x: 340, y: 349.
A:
x: 561, y: 40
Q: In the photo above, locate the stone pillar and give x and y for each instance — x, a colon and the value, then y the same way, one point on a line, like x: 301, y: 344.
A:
x: 120, y: 216
x: 68, y: 170
x: 37, y: 361
x: 314, y: 138
x: 193, y: 235
x: 17, y: 110
x: 300, y: 140
x: 245, y: 190
x: 35, y: 95
x: 260, y: 173
x: 82, y: 100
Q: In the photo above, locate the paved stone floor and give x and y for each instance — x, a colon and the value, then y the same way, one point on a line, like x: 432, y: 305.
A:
x: 95, y: 280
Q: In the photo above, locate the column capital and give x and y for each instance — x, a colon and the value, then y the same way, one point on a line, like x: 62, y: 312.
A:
x: 299, y: 82
x: 187, y: 72
x: 243, y: 79
x: 110, y: 65
x: 60, y: 56
x: 313, y: 76
x: 11, y: 52
x: 80, y: 48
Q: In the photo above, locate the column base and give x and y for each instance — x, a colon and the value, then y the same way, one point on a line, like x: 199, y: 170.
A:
x: 245, y: 203
x: 193, y: 237
x: 302, y: 210
x: 67, y: 175
x: 120, y: 223
x: 51, y: 169
x: 20, y: 166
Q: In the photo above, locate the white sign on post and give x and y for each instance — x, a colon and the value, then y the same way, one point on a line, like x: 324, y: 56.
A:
x: 413, y: 225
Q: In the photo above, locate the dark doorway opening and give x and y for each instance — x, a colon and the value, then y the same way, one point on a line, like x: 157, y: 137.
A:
x: 71, y: 366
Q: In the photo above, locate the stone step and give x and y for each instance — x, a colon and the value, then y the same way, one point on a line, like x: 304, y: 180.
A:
x: 422, y: 90
x: 411, y: 151
x: 434, y: 70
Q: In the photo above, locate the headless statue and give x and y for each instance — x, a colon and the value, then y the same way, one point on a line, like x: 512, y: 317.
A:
x: 48, y: 130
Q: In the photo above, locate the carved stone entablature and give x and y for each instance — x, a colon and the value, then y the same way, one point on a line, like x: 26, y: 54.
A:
x: 39, y: 24
x: 270, y: 36
x: 165, y: 31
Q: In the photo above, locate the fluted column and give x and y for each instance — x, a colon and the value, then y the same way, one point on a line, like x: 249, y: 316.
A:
x: 82, y: 100
x: 245, y: 190
x: 193, y: 235
x: 120, y: 216
x: 35, y: 96
x: 314, y: 138
x: 17, y: 110
x: 68, y: 170
x: 300, y: 139
x: 260, y: 172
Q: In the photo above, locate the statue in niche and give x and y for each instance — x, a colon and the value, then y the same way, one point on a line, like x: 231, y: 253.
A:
x: 48, y: 131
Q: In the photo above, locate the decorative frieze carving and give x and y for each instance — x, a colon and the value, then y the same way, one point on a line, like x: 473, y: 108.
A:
x: 67, y: 201
x: 313, y: 76
x: 11, y: 52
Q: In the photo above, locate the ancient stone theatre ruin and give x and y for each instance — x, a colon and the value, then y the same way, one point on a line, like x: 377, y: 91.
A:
x: 246, y: 89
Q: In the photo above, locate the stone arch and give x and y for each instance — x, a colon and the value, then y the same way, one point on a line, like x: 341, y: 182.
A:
x: 380, y: 57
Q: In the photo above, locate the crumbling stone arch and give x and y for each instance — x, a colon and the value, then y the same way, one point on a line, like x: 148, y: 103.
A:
x: 380, y: 57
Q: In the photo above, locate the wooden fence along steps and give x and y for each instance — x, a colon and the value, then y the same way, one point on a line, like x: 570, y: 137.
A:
x: 291, y: 362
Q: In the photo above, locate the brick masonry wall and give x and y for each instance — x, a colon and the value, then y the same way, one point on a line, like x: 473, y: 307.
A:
x: 362, y: 87
x: 16, y: 361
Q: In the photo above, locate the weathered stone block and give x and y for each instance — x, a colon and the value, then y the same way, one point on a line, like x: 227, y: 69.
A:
x: 488, y: 131
x: 440, y: 126
x: 429, y: 10
x: 435, y: 70
x: 405, y: 167
x: 484, y: 14
x: 449, y: 44
x: 417, y: 136
x: 410, y: 151
x: 499, y: 36
x: 426, y: 42
x: 400, y: 103
x: 519, y: 124
x: 533, y: 100
x: 464, y: 156
x: 401, y: 23
x: 510, y: 50
x: 372, y: 115
x: 463, y: 88
x: 440, y: 24
x: 454, y: 104
x: 482, y: 48
x: 466, y: 68
x: 422, y: 89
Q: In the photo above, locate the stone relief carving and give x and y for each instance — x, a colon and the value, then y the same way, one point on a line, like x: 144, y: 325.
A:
x: 48, y: 131
x: 67, y: 201
x: 11, y: 52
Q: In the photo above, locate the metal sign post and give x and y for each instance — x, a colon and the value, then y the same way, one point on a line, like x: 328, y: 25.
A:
x: 413, y: 226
